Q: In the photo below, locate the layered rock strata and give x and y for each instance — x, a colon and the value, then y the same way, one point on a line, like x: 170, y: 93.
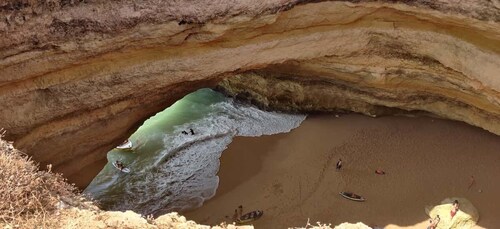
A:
x: 77, y: 76
x: 324, y: 85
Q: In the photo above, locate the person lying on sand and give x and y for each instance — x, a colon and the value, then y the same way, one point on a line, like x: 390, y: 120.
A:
x: 379, y: 172
x: 434, y: 222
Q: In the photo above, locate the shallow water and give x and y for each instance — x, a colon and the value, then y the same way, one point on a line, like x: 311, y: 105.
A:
x: 172, y: 171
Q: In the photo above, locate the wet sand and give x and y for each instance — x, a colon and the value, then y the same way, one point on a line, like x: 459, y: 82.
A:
x: 292, y: 176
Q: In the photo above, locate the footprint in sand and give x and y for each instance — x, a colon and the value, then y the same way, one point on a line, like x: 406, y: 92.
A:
x: 277, y: 189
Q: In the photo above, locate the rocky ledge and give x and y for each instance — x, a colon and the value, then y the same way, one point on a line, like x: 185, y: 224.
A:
x: 76, y: 77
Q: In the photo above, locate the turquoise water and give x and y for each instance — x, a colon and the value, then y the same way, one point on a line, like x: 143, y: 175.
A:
x: 171, y: 171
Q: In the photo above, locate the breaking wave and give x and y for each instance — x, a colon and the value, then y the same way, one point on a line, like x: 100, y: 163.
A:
x: 175, y: 171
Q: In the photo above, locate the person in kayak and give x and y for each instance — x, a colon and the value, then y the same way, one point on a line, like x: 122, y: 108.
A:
x: 119, y: 165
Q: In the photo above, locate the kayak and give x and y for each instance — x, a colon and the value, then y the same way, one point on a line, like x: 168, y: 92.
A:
x: 126, y: 145
x: 352, y: 196
x: 249, y: 217
x: 125, y: 169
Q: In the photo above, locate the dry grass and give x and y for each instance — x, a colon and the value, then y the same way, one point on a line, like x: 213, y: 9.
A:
x: 41, y: 199
x: 30, y: 198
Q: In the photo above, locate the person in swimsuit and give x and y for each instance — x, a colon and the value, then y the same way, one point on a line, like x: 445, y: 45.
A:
x: 379, y: 172
x: 454, y: 208
x: 434, y: 222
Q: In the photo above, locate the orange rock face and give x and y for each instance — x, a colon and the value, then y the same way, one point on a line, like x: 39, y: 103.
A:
x: 76, y: 78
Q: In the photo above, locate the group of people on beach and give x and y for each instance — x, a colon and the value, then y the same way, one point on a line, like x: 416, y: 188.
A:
x: 433, y: 222
x: 338, y: 166
x: 238, y: 212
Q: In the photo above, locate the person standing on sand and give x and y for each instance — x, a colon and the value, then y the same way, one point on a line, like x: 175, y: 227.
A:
x: 454, y: 208
x: 240, y: 211
x: 339, y: 164
x: 235, y: 215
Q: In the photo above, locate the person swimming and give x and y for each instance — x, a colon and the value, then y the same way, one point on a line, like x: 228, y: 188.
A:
x: 190, y: 131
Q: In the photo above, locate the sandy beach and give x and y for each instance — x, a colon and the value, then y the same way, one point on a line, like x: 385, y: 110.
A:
x: 292, y: 176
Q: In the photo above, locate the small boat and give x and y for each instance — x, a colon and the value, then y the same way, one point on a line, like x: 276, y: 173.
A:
x: 352, y: 196
x: 124, y: 169
x: 249, y: 217
x: 126, y: 145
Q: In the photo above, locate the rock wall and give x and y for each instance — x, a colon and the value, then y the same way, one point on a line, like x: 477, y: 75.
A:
x: 77, y: 76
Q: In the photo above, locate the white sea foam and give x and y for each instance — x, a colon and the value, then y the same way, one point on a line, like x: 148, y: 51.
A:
x: 184, y: 174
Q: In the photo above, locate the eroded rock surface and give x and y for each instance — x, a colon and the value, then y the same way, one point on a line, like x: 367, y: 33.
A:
x: 77, y: 76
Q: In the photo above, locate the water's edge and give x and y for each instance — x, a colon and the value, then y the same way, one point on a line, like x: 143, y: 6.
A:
x: 173, y: 171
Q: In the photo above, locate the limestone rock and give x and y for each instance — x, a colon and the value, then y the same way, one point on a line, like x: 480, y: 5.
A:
x: 174, y: 220
x: 466, y: 217
x: 77, y: 77
x: 358, y: 225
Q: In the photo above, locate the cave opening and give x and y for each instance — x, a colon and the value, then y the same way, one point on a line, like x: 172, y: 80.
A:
x: 177, y: 169
x: 170, y: 162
